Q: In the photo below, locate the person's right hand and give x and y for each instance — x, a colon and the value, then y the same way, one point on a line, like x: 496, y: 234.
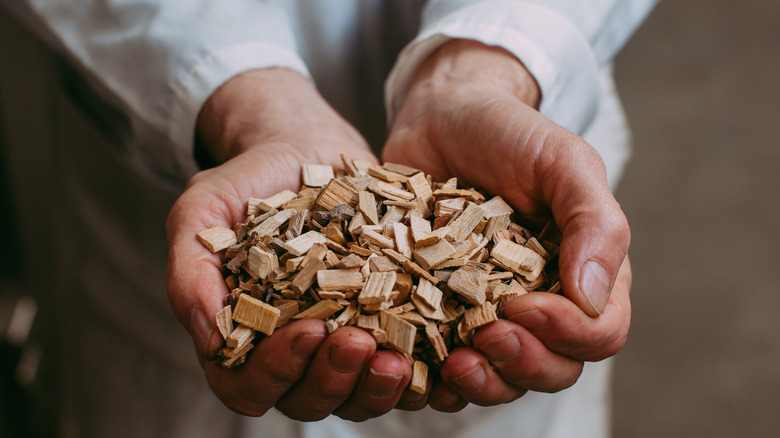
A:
x: 262, y: 125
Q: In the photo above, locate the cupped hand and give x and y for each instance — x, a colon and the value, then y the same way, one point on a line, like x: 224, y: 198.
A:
x: 262, y: 125
x: 470, y: 113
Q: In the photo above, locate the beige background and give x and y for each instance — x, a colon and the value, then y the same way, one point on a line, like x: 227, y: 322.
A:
x: 701, y: 85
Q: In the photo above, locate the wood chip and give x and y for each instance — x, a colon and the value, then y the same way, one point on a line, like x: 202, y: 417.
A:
x: 389, y: 191
x: 462, y: 227
x: 225, y: 321
x: 518, y: 258
x: 320, y: 310
x: 496, y: 207
x: 400, y: 168
x: 335, y: 193
x: 386, y: 175
x: 367, y: 206
x: 272, y: 224
x: 255, y: 314
x: 479, y: 316
x: 261, y: 263
x: 470, y: 283
x: 400, y: 334
x: 276, y: 200
x: 377, y: 288
x: 419, y: 382
x: 430, y: 256
x: 240, y: 336
x: 316, y: 175
x: 301, y: 244
x: 217, y: 238
x: 339, y: 279
x: 469, y: 194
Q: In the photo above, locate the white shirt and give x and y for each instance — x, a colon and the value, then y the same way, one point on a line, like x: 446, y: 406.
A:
x: 158, y: 61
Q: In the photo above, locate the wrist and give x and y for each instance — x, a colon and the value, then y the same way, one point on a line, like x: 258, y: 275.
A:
x: 465, y: 63
x: 267, y: 107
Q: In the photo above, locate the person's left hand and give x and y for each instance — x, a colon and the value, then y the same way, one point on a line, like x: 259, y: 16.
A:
x: 470, y: 112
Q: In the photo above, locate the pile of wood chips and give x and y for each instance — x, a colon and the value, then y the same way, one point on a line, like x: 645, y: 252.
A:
x: 419, y: 265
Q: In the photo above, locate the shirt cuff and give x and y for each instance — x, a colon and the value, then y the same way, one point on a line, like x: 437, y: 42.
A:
x: 551, y: 48
x: 193, y: 88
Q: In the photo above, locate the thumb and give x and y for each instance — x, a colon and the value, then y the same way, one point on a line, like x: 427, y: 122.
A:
x: 595, y: 231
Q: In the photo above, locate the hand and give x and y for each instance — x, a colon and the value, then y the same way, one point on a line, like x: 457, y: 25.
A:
x: 470, y: 113
x: 263, y: 125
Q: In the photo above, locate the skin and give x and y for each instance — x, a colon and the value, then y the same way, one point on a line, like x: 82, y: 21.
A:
x: 262, y: 125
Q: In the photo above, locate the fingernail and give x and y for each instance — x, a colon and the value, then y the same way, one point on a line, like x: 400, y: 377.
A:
x: 382, y: 384
x: 504, y: 348
x: 200, y: 330
x: 471, y: 380
x: 306, y: 344
x: 348, y: 359
x: 531, y: 319
x: 594, y: 283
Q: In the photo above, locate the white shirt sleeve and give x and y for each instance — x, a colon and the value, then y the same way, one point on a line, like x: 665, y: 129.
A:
x: 162, y: 59
x: 564, y: 43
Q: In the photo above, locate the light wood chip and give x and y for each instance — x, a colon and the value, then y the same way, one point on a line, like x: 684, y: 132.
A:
x: 449, y: 206
x: 421, y: 228
x: 419, y: 382
x: 217, y: 238
x: 429, y: 293
x: 386, y: 175
x: 496, y: 207
x: 272, y: 224
x: 335, y: 193
x: 377, y: 238
x: 367, y: 206
x: 305, y: 278
x: 377, y: 288
x: 320, y: 310
x: 400, y: 168
x: 339, y: 279
x: 350, y: 261
x: 301, y: 244
x: 389, y: 191
x: 276, y: 200
x: 430, y: 256
x: 518, y: 258
x: 255, y: 314
x: 261, y: 263
x: 470, y: 283
x: 436, y: 340
x: 400, y: 334
x: 479, y: 316
x: 286, y: 311
x: 415, y: 269
x: 462, y: 227
x: 225, y: 321
x: 240, y: 336
x: 469, y: 194
x: 316, y: 175
x: 403, y: 241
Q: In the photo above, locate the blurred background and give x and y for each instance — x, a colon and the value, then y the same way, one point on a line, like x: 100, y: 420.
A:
x: 701, y: 85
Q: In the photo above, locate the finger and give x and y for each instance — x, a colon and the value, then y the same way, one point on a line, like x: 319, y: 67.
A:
x: 380, y: 388
x: 595, y: 231
x: 276, y: 364
x: 523, y: 360
x: 563, y: 328
x: 445, y: 399
x: 413, y: 400
x: 331, y: 377
x: 196, y: 290
x: 471, y: 376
